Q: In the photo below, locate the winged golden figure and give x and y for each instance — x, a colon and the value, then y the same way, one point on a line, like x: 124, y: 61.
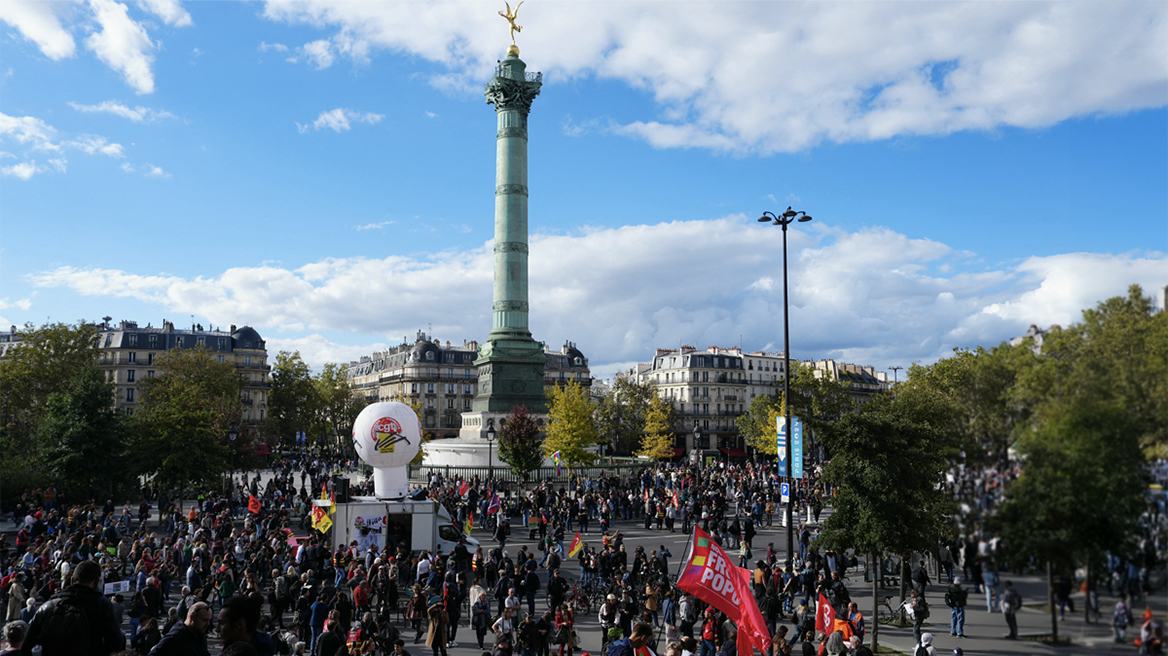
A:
x: 510, y: 15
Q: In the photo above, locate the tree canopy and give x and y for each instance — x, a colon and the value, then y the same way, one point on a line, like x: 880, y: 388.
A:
x: 519, y: 441
x: 571, y: 429
x: 620, y: 415
x: 657, y: 438
x: 818, y: 401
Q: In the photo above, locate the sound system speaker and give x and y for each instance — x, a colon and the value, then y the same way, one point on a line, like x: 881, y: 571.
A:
x: 341, y: 488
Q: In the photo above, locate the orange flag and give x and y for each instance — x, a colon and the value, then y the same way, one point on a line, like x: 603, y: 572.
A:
x: 253, y: 505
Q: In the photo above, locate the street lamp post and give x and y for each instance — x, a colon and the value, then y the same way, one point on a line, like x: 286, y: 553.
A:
x: 785, y: 219
x: 698, y: 443
x: 232, y: 434
x: 490, y: 451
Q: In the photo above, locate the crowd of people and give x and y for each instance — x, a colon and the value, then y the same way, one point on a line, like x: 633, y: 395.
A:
x: 160, y: 576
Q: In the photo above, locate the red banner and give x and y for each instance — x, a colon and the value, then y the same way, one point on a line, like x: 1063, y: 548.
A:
x: 253, y: 505
x: 463, y: 489
x: 714, y: 578
x: 824, y: 616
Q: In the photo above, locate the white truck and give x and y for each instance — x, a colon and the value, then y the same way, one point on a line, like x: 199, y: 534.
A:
x: 421, y: 524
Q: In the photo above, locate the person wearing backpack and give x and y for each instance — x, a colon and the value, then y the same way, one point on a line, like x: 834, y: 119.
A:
x: 77, y: 620
x: 955, y: 598
x: 920, y: 613
x: 925, y: 646
x: 1011, y: 604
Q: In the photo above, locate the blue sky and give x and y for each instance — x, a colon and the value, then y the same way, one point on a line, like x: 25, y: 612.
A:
x: 324, y: 171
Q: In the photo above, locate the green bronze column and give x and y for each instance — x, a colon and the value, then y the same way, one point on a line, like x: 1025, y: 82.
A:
x: 511, y: 363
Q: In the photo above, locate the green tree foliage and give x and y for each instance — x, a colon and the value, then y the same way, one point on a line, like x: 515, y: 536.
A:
x: 657, y: 439
x: 338, y: 405
x: 83, y: 438
x: 519, y: 441
x: 185, y: 415
x: 294, y: 402
x: 886, y: 467
x: 620, y: 416
x: 1096, y: 396
x: 968, y: 396
x: 48, y: 360
x: 818, y: 401
x: 571, y: 429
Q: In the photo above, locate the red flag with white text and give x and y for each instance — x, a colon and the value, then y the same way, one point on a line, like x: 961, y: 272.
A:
x: 711, y: 575
x: 463, y: 489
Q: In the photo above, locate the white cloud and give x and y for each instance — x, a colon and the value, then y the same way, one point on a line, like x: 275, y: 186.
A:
x: 375, y: 226
x: 156, y: 172
x: 170, y: 11
x: 91, y: 144
x: 766, y: 77
x: 339, y: 119
x: 873, y: 297
x: 24, y: 170
x: 278, y: 47
x: 123, y: 44
x: 36, y: 22
x: 316, y: 349
x: 319, y: 53
x: 137, y: 114
x: 128, y: 167
x: 29, y: 130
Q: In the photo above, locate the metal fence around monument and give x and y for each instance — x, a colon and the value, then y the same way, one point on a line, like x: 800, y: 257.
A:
x: 421, y: 473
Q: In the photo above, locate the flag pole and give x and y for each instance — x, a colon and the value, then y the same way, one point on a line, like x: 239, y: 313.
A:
x: 684, y: 560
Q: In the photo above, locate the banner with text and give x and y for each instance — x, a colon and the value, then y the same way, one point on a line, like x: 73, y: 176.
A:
x: 711, y: 576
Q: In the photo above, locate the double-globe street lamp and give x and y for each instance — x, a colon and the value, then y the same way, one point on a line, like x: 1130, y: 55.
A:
x: 785, y: 219
x: 490, y: 451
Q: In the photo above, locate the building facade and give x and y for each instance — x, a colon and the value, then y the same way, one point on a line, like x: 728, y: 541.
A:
x: 129, y: 352
x: 442, y: 379
x: 711, y: 389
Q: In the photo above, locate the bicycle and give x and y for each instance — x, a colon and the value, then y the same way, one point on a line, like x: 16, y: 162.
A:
x: 889, y: 614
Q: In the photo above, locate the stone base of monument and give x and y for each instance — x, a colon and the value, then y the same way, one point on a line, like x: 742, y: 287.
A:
x: 464, y: 452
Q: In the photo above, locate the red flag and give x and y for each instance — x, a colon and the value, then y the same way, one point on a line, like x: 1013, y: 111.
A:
x: 463, y: 489
x: 576, y: 545
x: 253, y: 505
x: 712, y: 577
x: 824, y: 616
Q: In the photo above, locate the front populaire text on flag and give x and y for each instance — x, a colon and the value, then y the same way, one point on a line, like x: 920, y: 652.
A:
x: 710, y: 575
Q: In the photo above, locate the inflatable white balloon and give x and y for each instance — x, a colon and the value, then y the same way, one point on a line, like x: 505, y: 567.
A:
x: 387, y: 436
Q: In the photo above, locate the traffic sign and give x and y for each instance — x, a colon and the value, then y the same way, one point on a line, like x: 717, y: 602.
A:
x: 785, y: 492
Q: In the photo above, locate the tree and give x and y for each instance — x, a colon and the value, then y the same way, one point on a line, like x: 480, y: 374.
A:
x: 886, y: 468
x: 48, y: 360
x: 620, y: 416
x: 294, y: 402
x: 1096, y: 398
x: 186, y: 412
x: 818, y: 401
x: 657, y: 441
x: 968, y: 396
x: 83, y: 438
x: 338, y: 405
x: 519, y: 441
x: 571, y: 429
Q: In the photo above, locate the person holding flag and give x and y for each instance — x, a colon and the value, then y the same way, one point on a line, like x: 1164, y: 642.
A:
x: 576, y: 546
x: 710, y: 575
x: 469, y: 523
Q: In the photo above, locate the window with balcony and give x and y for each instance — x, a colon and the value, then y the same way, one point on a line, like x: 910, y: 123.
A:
x: 466, y: 404
x: 247, y: 360
x: 449, y: 388
x: 413, y: 388
x: 429, y: 388
x: 129, y: 396
x: 129, y: 375
x: 450, y: 403
x: 466, y: 389
x: 131, y: 357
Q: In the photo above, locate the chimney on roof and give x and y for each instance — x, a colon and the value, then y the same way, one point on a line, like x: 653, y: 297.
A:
x: 233, y: 329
